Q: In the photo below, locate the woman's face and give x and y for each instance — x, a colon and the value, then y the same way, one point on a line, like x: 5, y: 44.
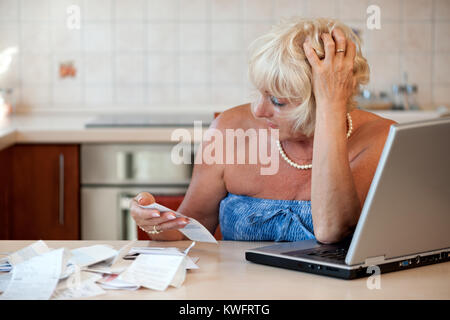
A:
x: 271, y: 109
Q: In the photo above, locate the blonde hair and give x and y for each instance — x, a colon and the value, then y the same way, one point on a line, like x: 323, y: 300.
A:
x: 279, y: 66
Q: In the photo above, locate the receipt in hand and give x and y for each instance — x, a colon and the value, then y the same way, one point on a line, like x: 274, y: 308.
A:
x: 194, y: 230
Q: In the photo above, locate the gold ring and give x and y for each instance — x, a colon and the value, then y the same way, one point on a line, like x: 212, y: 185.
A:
x: 340, y: 50
x: 154, y: 230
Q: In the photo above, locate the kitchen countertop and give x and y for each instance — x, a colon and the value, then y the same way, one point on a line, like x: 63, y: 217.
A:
x: 70, y: 128
x: 225, y: 274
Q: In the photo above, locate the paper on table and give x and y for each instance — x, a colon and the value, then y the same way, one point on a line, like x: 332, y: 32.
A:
x: 161, y: 250
x: 69, y: 270
x: 29, y: 252
x: 35, y: 278
x: 5, y: 267
x: 113, y: 265
x: 194, y: 230
x: 4, y: 280
x: 86, y: 256
x: 111, y: 282
x: 122, y: 252
x: 155, y: 271
x: 86, y: 289
x: 67, y: 265
x: 156, y: 250
x: 83, y: 287
x: 191, y: 263
x: 180, y: 274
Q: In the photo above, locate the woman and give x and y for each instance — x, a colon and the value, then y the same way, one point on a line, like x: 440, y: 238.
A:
x: 307, y: 73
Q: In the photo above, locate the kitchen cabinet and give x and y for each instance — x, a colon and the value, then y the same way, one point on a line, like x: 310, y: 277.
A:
x: 45, y: 192
x: 6, y: 180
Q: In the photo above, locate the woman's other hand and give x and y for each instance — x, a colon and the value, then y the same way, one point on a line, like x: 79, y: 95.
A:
x: 333, y: 81
x: 151, y: 220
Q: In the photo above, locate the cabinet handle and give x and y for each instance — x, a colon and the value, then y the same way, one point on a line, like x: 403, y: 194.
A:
x: 61, y: 189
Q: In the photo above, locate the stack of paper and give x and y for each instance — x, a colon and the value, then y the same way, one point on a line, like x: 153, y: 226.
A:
x: 35, y: 278
x: 190, y: 261
x: 39, y: 272
x: 5, y: 266
x: 4, y: 280
x: 157, y: 268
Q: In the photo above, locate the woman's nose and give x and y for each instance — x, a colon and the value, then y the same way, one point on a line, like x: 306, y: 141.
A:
x: 262, y: 110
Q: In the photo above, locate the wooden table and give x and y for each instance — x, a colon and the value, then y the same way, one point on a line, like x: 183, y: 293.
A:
x: 225, y: 274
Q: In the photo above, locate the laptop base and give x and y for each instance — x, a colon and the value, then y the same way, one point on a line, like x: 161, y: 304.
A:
x: 343, y: 273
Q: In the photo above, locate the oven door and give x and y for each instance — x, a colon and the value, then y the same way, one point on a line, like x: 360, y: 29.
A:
x: 105, y: 213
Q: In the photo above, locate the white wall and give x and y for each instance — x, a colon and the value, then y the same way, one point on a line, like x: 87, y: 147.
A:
x: 145, y: 54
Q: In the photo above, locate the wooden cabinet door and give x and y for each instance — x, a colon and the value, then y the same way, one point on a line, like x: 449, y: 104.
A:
x: 46, y: 192
x: 6, y: 179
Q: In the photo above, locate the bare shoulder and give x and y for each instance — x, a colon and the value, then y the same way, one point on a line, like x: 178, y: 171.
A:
x: 237, y: 117
x: 372, y: 127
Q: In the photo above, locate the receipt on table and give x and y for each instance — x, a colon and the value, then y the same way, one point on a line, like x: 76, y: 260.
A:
x: 85, y: 290
x: 113, y: 265
x: 191, y: 262
x: 194, y: 230
x: 87, y: 256
x: 35, y: 278
x: 156, y: 272
x: 156, y: 250
x: 4, y: 280
x: 29, y: 252
x: 110, y: 282
x: 79, y: 285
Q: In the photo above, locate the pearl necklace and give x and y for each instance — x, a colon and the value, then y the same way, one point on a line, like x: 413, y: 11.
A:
x: 309, y: 166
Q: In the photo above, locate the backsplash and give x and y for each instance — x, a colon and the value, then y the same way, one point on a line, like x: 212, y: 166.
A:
x: 154, y: 54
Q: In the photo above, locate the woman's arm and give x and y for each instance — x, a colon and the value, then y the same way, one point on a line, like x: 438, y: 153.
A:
x: 335, y: 202
x: 206, y: 190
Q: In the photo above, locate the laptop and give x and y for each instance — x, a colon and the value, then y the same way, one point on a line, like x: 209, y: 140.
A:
x: 405, y: 220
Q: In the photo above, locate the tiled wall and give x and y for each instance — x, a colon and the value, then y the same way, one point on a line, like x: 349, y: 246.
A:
x: 153, y: 54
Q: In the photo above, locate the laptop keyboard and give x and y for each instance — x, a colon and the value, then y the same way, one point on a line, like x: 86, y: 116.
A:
x: 334, y: 254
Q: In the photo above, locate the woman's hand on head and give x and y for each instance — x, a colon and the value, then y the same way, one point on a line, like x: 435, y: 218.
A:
x: 332, y: 77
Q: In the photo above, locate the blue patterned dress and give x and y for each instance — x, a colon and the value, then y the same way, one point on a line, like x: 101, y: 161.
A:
x: 256, y: 219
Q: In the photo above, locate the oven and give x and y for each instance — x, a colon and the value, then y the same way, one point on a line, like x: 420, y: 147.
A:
x: 112, y: 174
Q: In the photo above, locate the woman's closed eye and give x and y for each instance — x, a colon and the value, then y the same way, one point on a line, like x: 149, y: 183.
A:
x: 275, y: 102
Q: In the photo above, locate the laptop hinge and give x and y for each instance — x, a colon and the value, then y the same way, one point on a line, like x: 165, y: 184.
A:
x: 373, y: 261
